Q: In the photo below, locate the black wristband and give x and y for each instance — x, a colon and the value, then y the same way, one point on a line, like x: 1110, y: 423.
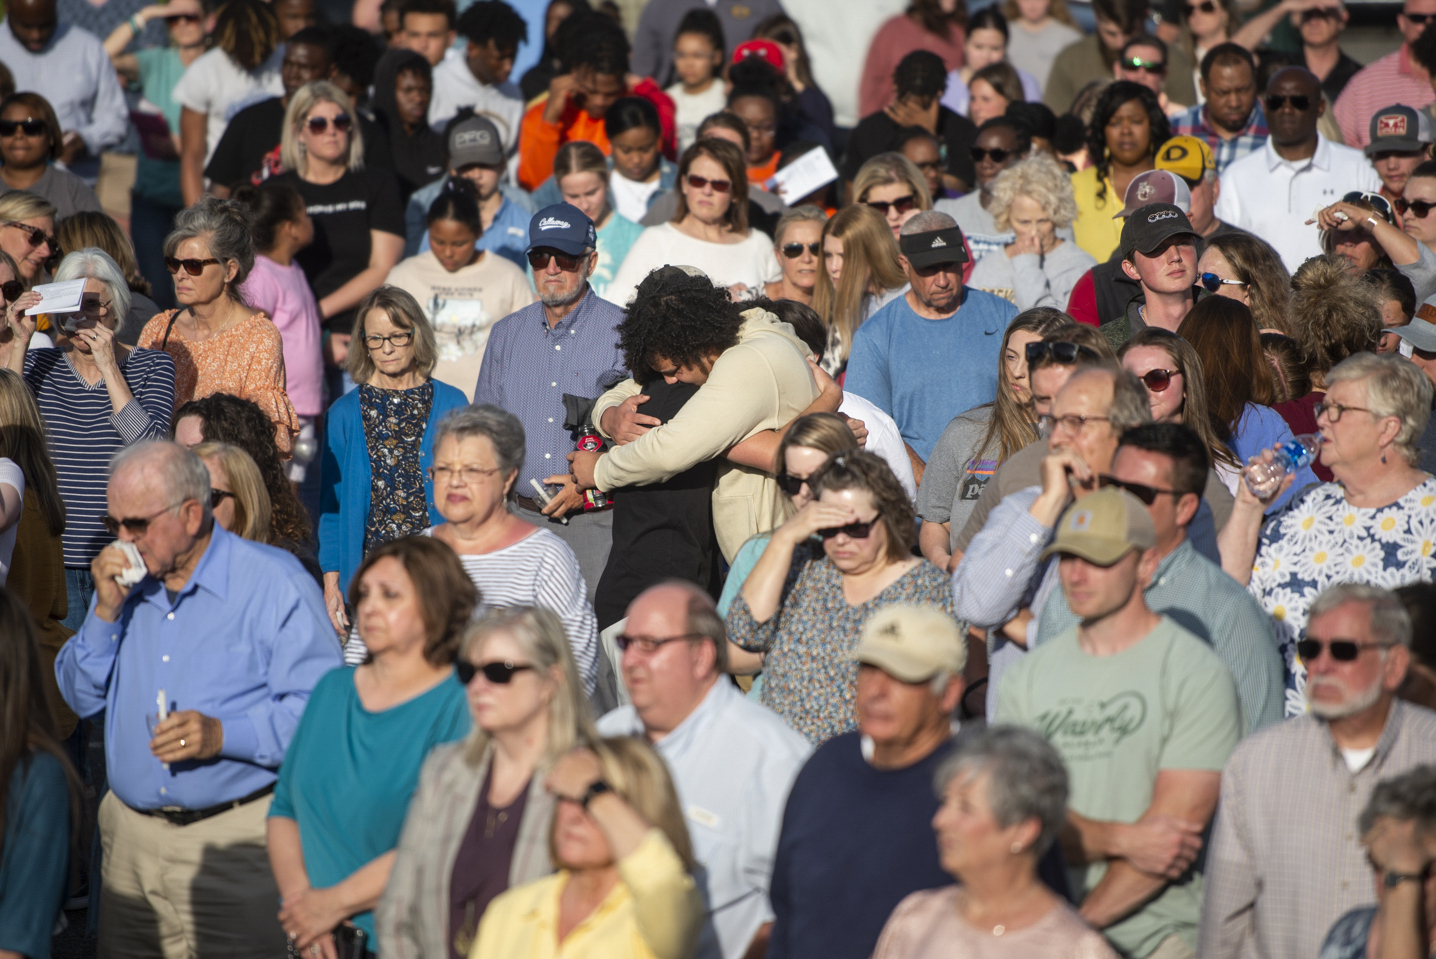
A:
x: 597, y: 788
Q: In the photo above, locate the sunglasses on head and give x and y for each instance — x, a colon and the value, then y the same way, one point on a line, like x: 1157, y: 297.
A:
x: 1300, y: 102
x: 498, y: 673
x: 1417, y: 208
x: 699, y: 182
x: 31, y: 128
x: 11, y: 290
x: 1158, y: 380
x: 1379, y: 202
x: 192, y: 266
x: 1342, y: 650
x: 1150, y: 66
x: 1060, y: 352
x: 851, y: 531
x: 539, y: 259
x: 342, y: 123
x: 902, y: 204
x: 1211, y: 282
x: 1147, y: 494
x: 794, y: 250
x: 997, y: 154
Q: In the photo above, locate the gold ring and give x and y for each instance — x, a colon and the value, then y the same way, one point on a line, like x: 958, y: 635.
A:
x: 181, y: 742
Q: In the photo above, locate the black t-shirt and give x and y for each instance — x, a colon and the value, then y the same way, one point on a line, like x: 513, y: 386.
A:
x: 419, y: 158
x: 877, y: 133
x: 343, y: 213
x: 251, y: 133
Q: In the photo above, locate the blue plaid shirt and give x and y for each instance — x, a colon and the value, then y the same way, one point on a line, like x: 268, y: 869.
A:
x: 1193, y: 123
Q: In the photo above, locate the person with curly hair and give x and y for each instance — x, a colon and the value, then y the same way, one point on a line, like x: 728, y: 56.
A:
x: 1127, y: 127
x: 755, y: 378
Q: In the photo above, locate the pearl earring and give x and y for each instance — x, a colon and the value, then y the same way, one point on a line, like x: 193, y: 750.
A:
x: 1016, y: 848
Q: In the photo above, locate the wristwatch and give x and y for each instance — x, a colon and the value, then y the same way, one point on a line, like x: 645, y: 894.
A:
x: 596, y: 788
x: 1390, y: 880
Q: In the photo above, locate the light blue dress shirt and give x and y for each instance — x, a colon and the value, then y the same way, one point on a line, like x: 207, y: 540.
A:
x: 244, y: 642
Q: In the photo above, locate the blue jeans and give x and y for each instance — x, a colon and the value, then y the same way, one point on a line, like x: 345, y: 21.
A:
x: 150, y: 223
x: 80, y: 590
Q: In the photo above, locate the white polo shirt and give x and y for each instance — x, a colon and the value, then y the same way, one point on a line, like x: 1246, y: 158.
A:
x: 1273, y: 198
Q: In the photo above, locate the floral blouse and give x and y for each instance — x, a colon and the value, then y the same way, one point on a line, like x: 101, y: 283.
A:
x: 1319, y: 540
x: 394, y: 422
x: 245, y: 360
x: 809, y: 675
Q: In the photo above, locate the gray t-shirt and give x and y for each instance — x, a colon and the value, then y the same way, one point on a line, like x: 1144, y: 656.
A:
x: 958, y: 470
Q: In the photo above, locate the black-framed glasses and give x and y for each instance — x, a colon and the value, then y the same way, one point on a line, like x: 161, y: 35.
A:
x: 1419, y: 17
x: 794, y: 250
x: 398, y: 338
x: 699, y: 182
x: 137, y: 525
x: 11, y: 290
x: 539, y: 259
x: 1147, y: 494
x: 37, y: 235
x: 648, y: 645
x: 217, y: 496
x: 997, y: 154
x: 851, y: 531
x: 342, y: 123
x: 1072, y: 423
x: 790, y: 484
x: 500, y: 673
x: 1300, y: 102
x: 902, y: 204
x: 1379, y: 202
x: 1334, y: 411
x: 1061, y: 352
x: 1211, y: 282
x: 468, y: 475
x: 1206, y: 6
x: 1158, y: 380
x: 1417, y: 208
x: 1342, y: 650
x: 31, y: 128
x: 1148, y: 66
x: 191, y: 265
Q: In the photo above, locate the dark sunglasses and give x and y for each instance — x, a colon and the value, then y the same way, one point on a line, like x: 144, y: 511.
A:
x: 538, y: 259
x: 136, y: 525
x: 997, y: 154
x: 12, y: 290
x: 1300, y: 102
x: 791, y: 484
x: 191, y: 266
x: 1150, y: 66
x: 1060, y: 352
x: 1158, y: 380
x: 699, y: 182
x: 1342, y: 650
x: 1379, y: 202
x: 1211, y: 282
x: 1207, y: 6
x: 183, y: 18
x: 500, y: 674
x: 794, y: 250
x: 902, y: 204
x: 216, y: 496
x: 342, y: 123
x: 1419, y: 17
x: 31, y: 128
x: 1417, y: 208
x: 852, y: 530
x: 37, y: 235
x: 1147, y: 494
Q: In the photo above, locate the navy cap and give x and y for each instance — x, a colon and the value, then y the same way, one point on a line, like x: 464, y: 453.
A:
x: 563, y: 227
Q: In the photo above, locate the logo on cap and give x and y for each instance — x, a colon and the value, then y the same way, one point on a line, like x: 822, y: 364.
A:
x: 553, y: 223
x: 471, y: 138
x: 1146, y: 191
x: 1393, y: 125
x: 1081, y: 520
x: 1162, y: 215
x: 937, y: 241
x: 1174, y: 153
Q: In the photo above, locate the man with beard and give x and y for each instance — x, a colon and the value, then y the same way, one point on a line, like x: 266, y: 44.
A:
x: 1285, y: 856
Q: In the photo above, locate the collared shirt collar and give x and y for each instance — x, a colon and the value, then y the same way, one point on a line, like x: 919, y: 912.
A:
x: 1389, y: 732
x: 1174, y: 562
x: 211, y: 573
x: 1320, y: 160
x: 713, y: 702
x: 573, y: 315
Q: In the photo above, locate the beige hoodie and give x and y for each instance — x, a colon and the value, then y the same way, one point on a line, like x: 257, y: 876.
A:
x: 762, y: 383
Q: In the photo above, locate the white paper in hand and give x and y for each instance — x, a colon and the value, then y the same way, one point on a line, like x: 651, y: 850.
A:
x: 136, y: 570
x: 809, y: 173
x: 63, y: 297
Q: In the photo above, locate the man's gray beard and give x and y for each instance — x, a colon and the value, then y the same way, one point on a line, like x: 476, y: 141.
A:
x: 1363, y: 701
x: 553, y: 299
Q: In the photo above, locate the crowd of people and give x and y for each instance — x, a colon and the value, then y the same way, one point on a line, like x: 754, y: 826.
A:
x: 981, y: 505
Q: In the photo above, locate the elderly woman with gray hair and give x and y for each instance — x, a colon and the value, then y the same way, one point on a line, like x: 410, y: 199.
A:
x: 218, y: 344
x: 477, y: 454
x: 97, y: 396
x: 1033, y: 199
x: 1004, y: 801
x: 1373, y: 524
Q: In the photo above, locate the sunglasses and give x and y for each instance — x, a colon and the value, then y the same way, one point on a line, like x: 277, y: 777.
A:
x: 902, y: 204
x: 12, y: 290
x: 1150, y: 66
x: 794, y: 250
x: 1211, y: 282
x: 216, y: 496
x: 500, y: 674
x: 851, y: 531
x: 997, y: 154
x: 1342, y: 650
x: 342, y: 123
x: 184, y: 18
x: 699, y: 182
x: 136, y: 525
x: 31, y: 128
x: 1419, y: 17
x: 1063, y: 353
x: 1147, y: 494
x: 791, y: 484
x: 539, y: 259
x: 1300, y: 102
x: 37, y: 235
x: 1330, y: 13
x: 1207, y: 6
x: 1417, y: 208
x: 1158, y: 380
x: 191, y: 266
x: 1382, y: 205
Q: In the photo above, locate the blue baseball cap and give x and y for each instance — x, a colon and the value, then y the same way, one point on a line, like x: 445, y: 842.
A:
x: 563, y: 227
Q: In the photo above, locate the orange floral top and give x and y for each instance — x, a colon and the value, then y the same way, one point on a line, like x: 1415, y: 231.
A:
x: 246, y: 360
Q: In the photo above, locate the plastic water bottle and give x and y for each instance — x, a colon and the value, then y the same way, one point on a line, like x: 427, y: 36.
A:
x: 1264, y: 477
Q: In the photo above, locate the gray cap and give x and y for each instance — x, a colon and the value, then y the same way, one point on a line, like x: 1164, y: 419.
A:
x: 475, y: 140
x: 1419, y: 333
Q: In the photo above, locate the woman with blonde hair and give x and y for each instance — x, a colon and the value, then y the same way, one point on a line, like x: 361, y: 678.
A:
x: 624, y: 889
x: 580, y: 170
x: 892, y: 184
x: 12, y: 287
x: 480, y: 819
x: 1246, y: 268
x: 237, y: 495
x: 86, y: 229
x: 27, y: 232
x: 1033, y: 199
x: 860, y: 275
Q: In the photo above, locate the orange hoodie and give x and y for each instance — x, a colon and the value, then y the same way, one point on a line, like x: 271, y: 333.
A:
x: 539, y: 141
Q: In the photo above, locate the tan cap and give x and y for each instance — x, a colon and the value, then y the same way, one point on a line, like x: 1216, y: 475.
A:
x: 1103, y: 527
x: 912, y: 643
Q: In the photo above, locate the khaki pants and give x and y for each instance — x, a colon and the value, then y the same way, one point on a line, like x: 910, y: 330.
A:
x: 1173, y: 947
x: 201, y: 891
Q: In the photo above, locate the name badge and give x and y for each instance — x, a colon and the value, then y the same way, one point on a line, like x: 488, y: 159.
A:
x: 703, y: 817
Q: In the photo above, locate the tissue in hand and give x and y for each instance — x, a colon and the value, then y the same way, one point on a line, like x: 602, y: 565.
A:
x: 136, y: 570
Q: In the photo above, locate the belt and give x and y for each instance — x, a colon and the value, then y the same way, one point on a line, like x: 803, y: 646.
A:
x: 187, y: 817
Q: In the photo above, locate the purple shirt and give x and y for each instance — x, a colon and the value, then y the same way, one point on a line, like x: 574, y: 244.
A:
x: 283, y: 293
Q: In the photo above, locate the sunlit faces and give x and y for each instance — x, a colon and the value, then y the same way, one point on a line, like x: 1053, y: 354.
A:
x: 1213, y: 261
x: 453, y: 244
x: 849, y: 554
x: 1167, y: 404
x: 1338, y: 688
x: 586, y: 190
x: 1014, y: 357
x: 1129, y: 134
x: 801, y: 271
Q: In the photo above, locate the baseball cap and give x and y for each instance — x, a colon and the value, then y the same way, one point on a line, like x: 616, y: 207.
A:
x: 912, y: 643
x: 475, y: 140
x: 563, y: 227
x: 933, y: 247
x: 1150, y: 226
x: 1186, y: 156
x: 1156, y: 186
x: 765, y: 50
x: 1419, y: 333
x: 1104, y: 526
x: 1398, y: 127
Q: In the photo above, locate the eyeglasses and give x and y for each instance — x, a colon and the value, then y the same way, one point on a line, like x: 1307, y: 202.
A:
x: 31, y: 128
x: 699, y: 182
x: 191, y: 266
x: 1071, y: 424
x: 91, y: 307
x: 1419, y: 17
x: 498, y: 673
x: 790, y: 484
x: 37, y: 235
x: 997, y: 154
x: 1334, y: 411
x: 649, y: 646
x: 538, y: 259
x: 1207, y: 6
x: 398, y: 338
x: 1211, y: 282
x: 1417, y: 208
x: 342, y: 123
x: 468, y: 475
x: 794, y: 250
x: 1342, y: 650
x: 1382, y: 205
x: 929, y: 165
x: 1147, y: 494
x: 137, y: 525
x: 1300, y: 102
x: 216, y: 496
x: 902, y: 204
x: 1158, y: 380
x: 1062, y: 352
x: 851, y: 531
x: 1149, y: 66
x: 11, y: 290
